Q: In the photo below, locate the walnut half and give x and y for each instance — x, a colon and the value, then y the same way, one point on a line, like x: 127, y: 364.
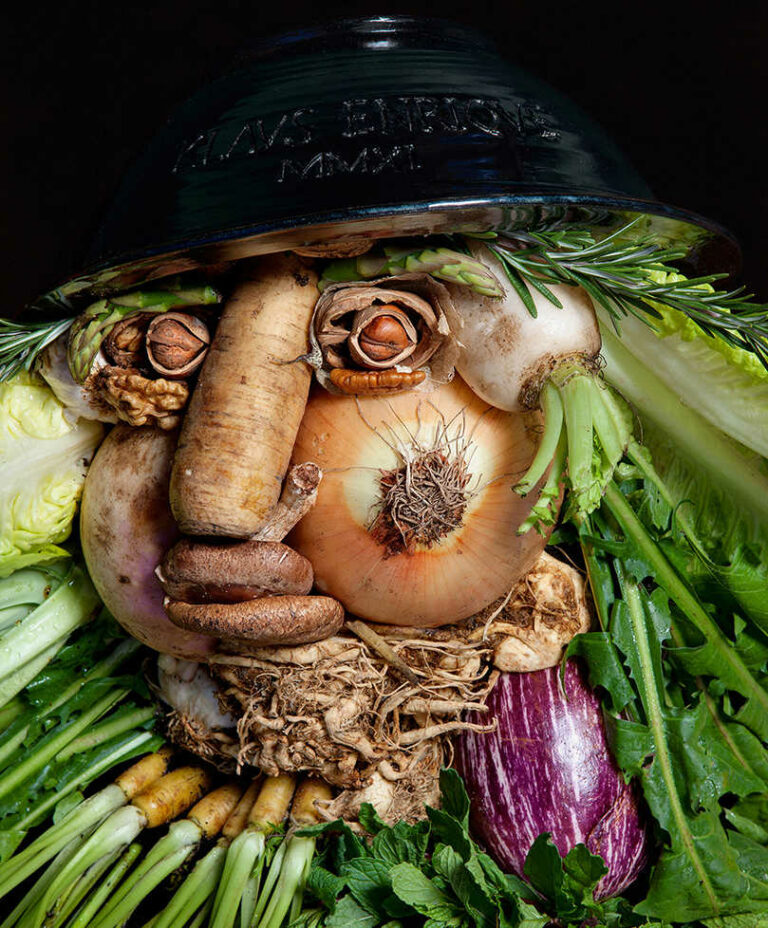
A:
x: 138, y: 400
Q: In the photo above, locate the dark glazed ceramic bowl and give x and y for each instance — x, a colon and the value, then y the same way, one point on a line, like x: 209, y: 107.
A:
x: 383, y: 126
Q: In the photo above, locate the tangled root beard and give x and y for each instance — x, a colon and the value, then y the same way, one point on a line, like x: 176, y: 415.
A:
x: 339, y: 710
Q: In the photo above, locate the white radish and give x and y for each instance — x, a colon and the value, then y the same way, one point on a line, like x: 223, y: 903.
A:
x: 507, y: 353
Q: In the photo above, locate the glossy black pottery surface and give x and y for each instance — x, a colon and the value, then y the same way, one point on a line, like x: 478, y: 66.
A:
x: 376, y: 127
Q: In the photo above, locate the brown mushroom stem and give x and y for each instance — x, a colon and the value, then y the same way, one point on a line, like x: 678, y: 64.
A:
x: 297, y: 498
x: 271, y: 620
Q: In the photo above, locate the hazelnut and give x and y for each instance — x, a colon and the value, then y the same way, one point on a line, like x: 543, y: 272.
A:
x: 384, y: 336
x: 176, y: 344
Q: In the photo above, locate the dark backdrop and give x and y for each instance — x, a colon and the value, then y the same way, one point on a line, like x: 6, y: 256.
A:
x: 85, y: 83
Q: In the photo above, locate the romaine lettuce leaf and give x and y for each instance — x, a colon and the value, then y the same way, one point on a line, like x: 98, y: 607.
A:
x: 725, y: 384
x: 43, y: 461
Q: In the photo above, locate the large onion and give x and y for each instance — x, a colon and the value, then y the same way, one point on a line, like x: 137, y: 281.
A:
x: 465, y: 551
x: 547, y: 768
x: 126, y: 527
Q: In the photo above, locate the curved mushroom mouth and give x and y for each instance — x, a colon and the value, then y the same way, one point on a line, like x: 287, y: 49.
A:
x: 422, y: 501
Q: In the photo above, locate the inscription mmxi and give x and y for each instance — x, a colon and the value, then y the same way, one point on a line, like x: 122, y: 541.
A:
x: 319, y: 142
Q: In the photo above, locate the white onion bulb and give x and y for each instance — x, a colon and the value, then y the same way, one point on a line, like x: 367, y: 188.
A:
x: 416, y: 520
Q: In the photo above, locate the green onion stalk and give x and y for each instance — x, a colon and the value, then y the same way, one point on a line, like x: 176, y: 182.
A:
x: 164, y: 799
x: 280, y: 900
x: 197, y: 893
x: 248, y: 852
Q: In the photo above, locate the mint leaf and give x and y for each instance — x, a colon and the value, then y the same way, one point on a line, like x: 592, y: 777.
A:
x: 348, y: 914
x: 582, y: 872
x: 369, y: 882
x: 370, y: 819
x: 325, y: 886
x: 472, y: 894
x: 417, y: 890
x: 403, y: 843
x: 454, y: 798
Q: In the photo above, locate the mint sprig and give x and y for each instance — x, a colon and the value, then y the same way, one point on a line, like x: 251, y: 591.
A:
x: 433, y: 875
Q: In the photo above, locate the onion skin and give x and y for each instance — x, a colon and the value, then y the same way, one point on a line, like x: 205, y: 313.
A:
x: 126, y: 527
x: 547, y: 767
x: 467, y: 569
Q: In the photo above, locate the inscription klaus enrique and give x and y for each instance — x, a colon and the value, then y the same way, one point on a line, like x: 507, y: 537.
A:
x: 320, y: 142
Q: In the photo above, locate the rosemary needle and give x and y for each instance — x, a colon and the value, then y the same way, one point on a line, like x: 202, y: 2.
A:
x: 618, y: 273
x: 21, y: 343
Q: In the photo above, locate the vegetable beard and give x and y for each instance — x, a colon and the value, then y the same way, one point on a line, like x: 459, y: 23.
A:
x: 340, y: 710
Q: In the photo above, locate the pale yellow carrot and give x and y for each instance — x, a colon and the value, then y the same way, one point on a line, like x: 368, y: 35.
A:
x: 273, y: 802
x: 238, y: 820
x: 172, y: 795
x: 309, y: 791
x: 214, y: 809
x: 144, y: 772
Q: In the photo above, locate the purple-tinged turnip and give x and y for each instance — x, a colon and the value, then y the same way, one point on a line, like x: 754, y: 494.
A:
x: 547, y: 768
x: 126, y: 527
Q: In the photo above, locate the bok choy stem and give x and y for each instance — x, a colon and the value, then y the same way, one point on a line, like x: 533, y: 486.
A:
x: 106, y: 731
x: 86, y: 914
x: 47, y: 752
x: 72, y: 604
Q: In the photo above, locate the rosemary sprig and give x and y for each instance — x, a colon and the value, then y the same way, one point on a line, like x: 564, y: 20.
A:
x: 616, y: 272
x: 22, y: 342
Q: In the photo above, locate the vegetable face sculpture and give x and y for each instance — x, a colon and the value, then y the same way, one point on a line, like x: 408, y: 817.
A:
x: 256, y: 517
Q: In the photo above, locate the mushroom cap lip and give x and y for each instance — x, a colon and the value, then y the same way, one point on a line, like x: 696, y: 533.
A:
x: 230, y: 572
x: 271, y: 620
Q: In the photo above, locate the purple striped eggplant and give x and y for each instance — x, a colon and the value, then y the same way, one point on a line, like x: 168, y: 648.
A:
x: 547, y: 767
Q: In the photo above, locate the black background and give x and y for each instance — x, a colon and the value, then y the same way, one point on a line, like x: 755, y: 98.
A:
x: 84, y: 84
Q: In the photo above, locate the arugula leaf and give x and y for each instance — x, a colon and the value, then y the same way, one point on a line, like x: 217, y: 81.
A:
x: 686, y: 756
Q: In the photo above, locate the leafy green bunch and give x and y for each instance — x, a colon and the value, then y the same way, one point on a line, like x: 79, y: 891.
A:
x: 683, y: 673
x: 432, y: 874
